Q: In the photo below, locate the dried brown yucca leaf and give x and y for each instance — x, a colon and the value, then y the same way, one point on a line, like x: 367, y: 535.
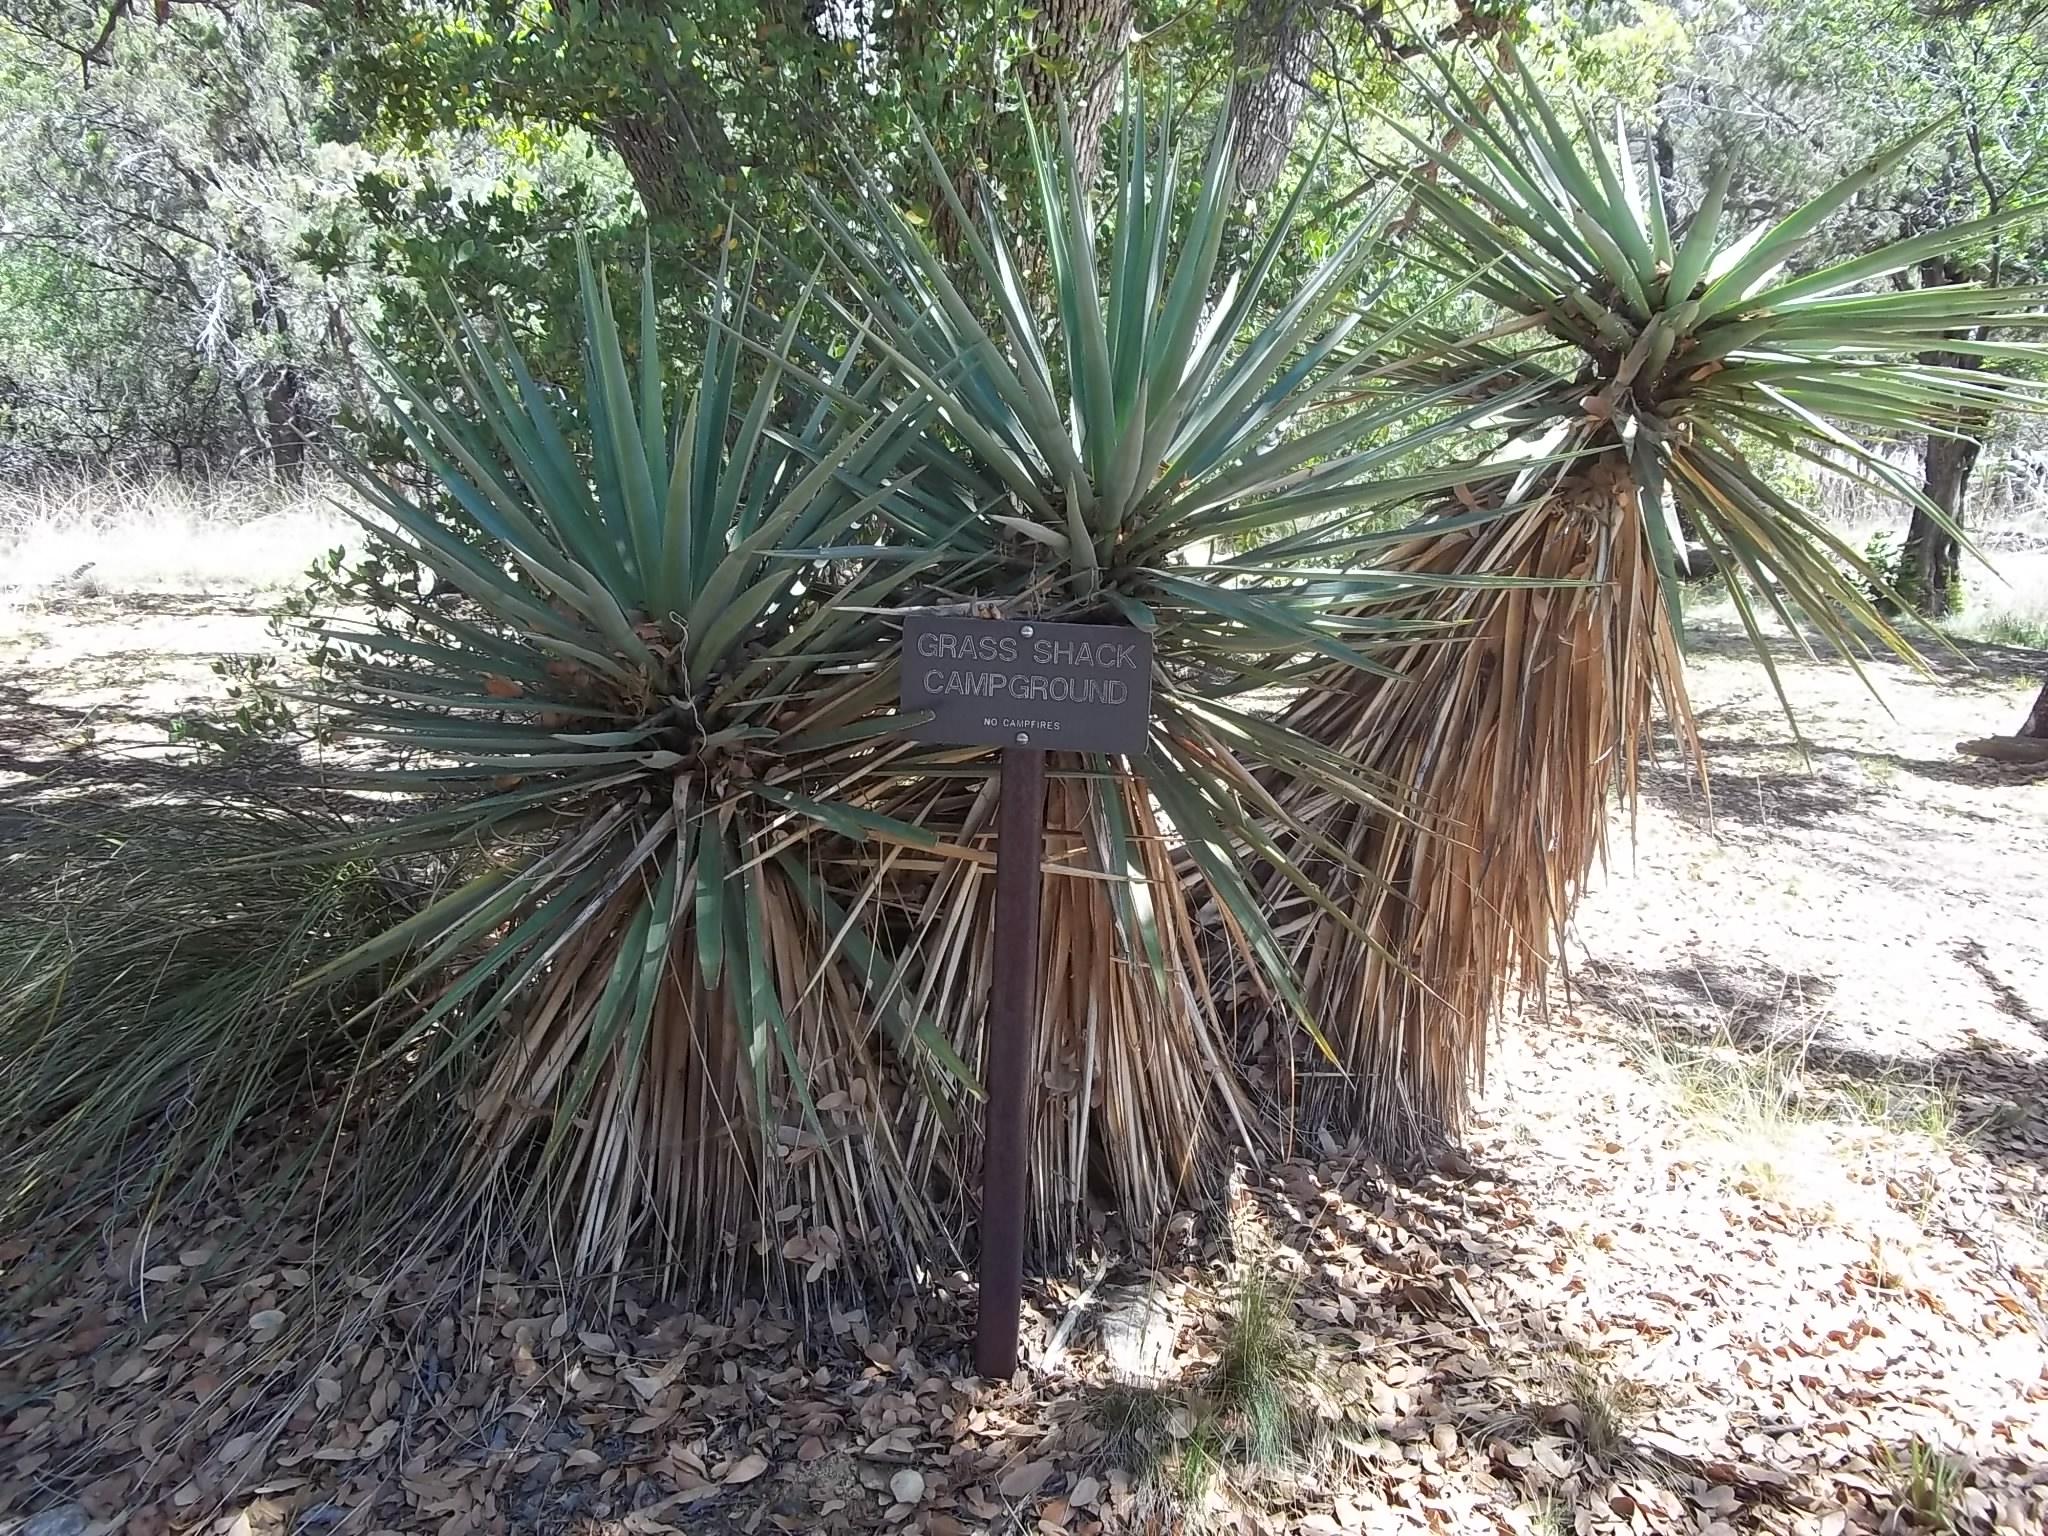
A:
x: 1508, y: 739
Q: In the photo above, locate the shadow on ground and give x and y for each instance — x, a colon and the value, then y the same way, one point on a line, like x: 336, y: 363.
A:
x: 1764, y: 776
x: 2001, y: 1095
x: 54, y: 753
x: 165, y: 605
x: 1955, y: 660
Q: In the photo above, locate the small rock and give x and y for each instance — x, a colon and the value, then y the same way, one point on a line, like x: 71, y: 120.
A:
x: 1138, y: 1329
x: 64, y: 1520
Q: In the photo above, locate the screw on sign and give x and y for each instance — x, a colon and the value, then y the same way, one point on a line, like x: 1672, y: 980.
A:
x: 1029, y: 688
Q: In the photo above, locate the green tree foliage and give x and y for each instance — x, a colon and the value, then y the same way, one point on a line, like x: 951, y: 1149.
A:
x: 156, y: 184
x: 704, y: 110
x: 703, y: 102
x: 197, y: 235
x: 201, y: 212
x: 311, y: 173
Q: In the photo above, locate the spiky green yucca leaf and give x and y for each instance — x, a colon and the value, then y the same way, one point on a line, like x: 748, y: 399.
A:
x: 1679, y: 350
x: 656, y: 723
x: 1154, y: 399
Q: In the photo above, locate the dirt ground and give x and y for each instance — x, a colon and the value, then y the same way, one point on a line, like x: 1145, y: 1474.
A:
x: 1751, y: 1232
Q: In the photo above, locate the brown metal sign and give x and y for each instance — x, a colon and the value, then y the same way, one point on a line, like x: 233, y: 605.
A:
x: 1023, y: 683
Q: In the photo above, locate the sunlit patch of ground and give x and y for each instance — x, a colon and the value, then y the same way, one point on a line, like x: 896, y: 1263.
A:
x: 92, y: 537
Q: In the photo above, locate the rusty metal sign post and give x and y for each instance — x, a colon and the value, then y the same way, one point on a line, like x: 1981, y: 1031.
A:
x: 1012, y: 1021
x: 1029, y: 688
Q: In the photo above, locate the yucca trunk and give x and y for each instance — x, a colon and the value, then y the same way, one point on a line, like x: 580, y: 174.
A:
x: 1506, y: 738
x: 713, y: 1144
x: 1131, y: 1096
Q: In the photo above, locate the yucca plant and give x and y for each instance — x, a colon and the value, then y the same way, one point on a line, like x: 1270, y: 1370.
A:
x: 1660, y: 359
x: 652, y: 726
x: 714, y: 958
x: 1131, y: 403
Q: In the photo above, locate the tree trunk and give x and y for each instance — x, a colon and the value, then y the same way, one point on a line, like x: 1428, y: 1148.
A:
x: 1930, y: 564
x: 278, y: 383
x: 1078, y: 60
x: 2036, y: 727
x: 1275, y: 45
x: 1667, y: 166
x: 675, y: 146
x: 284, y: 420
x: 670, y: 155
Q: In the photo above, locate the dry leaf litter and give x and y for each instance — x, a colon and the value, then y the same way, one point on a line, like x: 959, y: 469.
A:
x: 1609, y: 1311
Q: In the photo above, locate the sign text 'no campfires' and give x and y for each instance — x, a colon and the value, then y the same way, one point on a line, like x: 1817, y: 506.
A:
x: 1020, y: 682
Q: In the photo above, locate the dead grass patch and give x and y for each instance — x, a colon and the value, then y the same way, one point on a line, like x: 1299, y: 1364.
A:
x: 89, y: 537
x: 1748, y: 1088
x: 1577, y: 1393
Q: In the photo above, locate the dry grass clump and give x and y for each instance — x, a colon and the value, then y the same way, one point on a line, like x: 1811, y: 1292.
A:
x: 110, y: 533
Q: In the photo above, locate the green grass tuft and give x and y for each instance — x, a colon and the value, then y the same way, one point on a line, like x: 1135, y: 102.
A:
x: 2016, y: 628
x: 1256, y: 1384
x: 1926, y: 1483
x: 1247, y: 1418
x: 147, y: 1010
x: 1552, y: 1515
x: 1202, y: 1461
x: 1133, y: 1426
